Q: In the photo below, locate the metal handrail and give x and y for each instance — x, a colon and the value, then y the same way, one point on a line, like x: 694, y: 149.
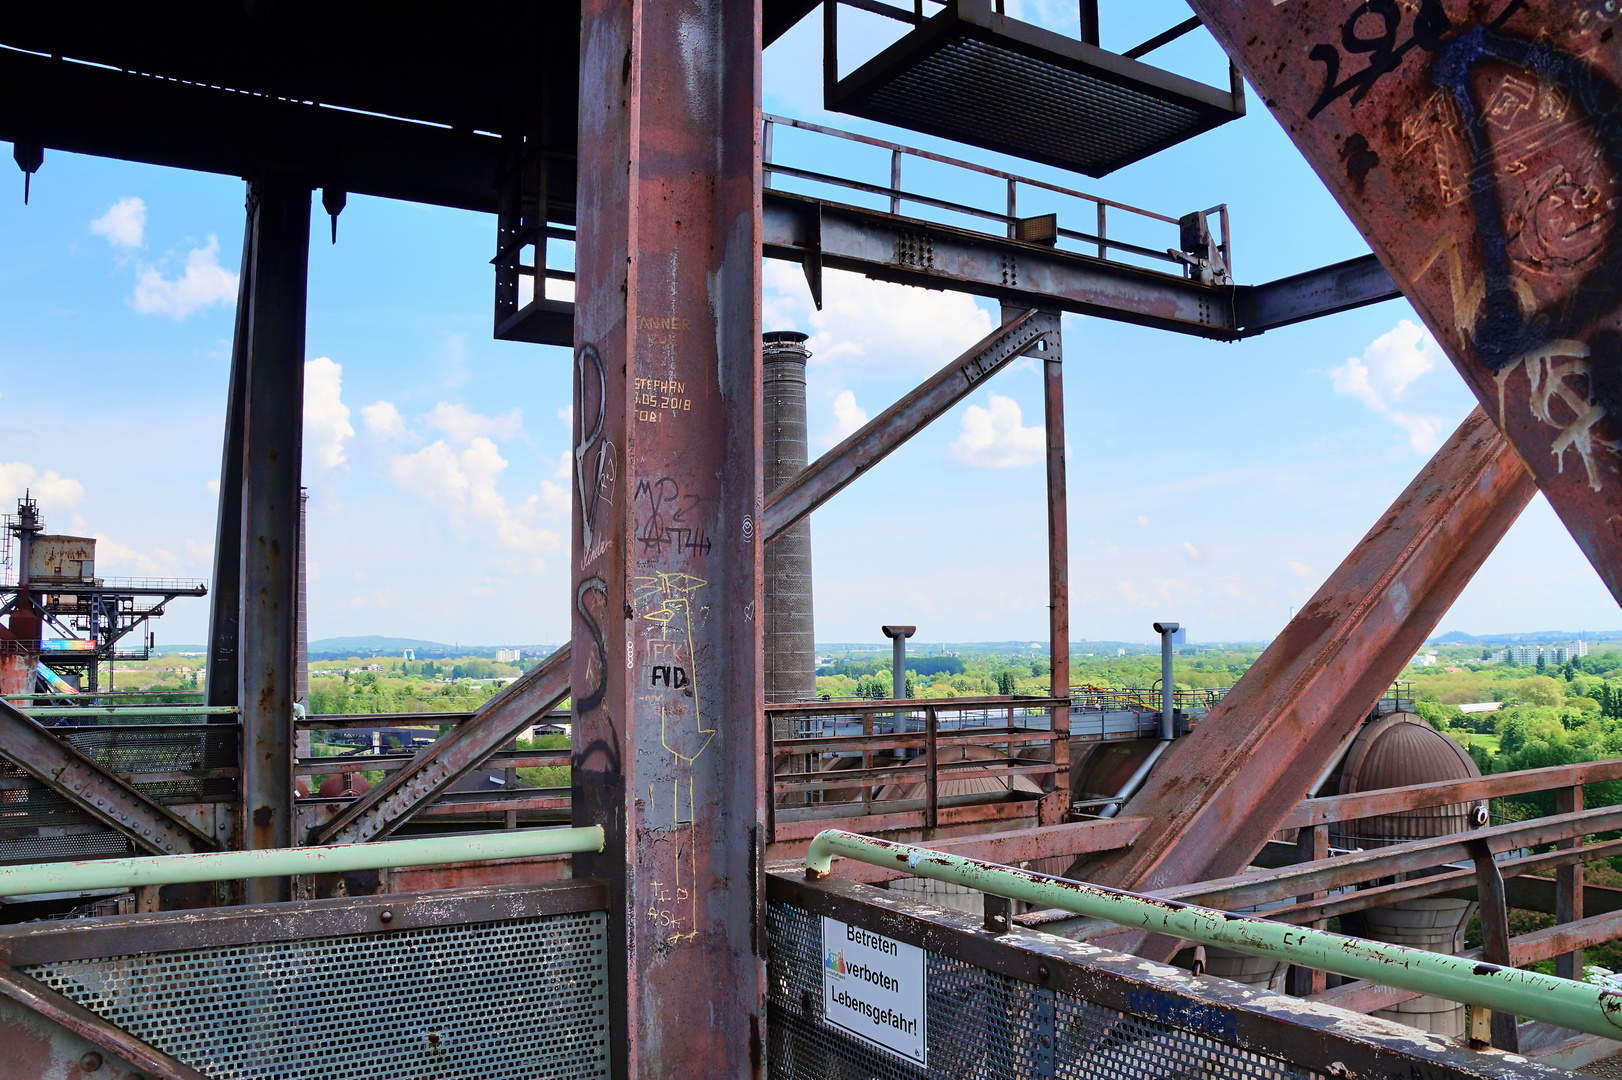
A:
x: 1582, y: 1006
x: 281, y: 862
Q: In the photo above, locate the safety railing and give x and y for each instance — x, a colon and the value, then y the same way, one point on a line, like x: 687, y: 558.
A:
x: 1502, y: 989
x: 1062, y: 227
x: 861, y: 758
x: 987, y: 999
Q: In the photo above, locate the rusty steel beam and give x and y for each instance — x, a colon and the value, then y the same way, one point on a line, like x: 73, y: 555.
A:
x: 1012, y: 848
x: 1365, y: 804
x: 1051, y: 354
x: 1477, y: 147
x: 1220, y: 792
x: 829, y: 474
x: 40, y: 999
x: 75, y: 776
x: 666, y: 536
x: 452, y: 756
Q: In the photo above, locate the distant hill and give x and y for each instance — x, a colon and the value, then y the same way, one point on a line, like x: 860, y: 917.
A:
x: 338, y: 648
x: 1533, y: 638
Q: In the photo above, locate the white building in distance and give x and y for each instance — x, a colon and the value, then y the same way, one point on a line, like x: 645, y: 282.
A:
x: 508, y: 656
x: 1553, y: 655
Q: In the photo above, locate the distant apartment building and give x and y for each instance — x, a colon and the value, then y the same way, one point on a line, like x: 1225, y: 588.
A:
x: 1425, y: 659
x: 1553, y: 655
x: 508, y: 656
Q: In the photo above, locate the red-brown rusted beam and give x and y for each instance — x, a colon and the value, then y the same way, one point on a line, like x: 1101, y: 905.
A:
x: 1477, y: 145
x: 1365, y: 804
x: 1010, y: 848
x: 667, y: 678
x: 1220, y: 792
x: 1052, y: 357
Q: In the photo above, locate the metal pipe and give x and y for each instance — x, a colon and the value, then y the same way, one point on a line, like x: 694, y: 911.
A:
x: 1136, y: 780
x: 1168, y: 690
x: 114, y: 712
x: 281, y: 862
x: 898, y: 636
x: 1583, y: 1006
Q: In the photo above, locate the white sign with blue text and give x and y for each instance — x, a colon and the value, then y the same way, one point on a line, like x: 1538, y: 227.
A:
x: 875, y: 988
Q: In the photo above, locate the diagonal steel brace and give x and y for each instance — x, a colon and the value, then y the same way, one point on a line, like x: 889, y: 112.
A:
x: 924, y: 404
x: 1220, y: 792
x: 452, y: 756
x: 74, y: 775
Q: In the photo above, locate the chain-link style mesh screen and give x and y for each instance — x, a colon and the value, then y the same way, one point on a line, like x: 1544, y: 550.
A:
x: 984, y: 1025
x: 521, y: 998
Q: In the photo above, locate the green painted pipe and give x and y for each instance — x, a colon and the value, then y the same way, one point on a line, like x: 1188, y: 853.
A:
x: 280, y: 862
x: 1583, y: 1006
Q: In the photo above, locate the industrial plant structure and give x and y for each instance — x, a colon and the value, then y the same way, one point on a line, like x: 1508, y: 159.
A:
x: 1083, y: 883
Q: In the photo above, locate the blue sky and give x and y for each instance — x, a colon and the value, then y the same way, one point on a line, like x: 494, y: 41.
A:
x: 1215, y: 484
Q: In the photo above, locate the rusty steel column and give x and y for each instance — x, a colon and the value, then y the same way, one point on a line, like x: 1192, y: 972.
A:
x: 273, y: 423
x: 791, y: 659
x: 1053, y: 807
x: 1221, y: 791
x: 666, y: 560
x: 1477, y: 147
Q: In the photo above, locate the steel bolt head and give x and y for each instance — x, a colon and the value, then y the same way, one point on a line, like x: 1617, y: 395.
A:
x: 90, y: 1062
x: 387, y: 917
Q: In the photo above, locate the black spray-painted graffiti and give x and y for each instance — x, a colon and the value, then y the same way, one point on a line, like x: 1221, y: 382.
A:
x: 1504, y: 330
x: 1385, y: 55
x: 588, y: 376
x: 588, y: 701
x: 662, y: 523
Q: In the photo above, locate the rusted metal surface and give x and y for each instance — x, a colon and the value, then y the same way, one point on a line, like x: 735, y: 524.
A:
x: 72, y: 774
x: 47, y: 1003
x: 1495, y: 937
x: 1568, y: 905
x: 906, y: 822
x: 273, y: 353
x: 224, y: 927
x: 1475, y: 143
x: 1051, y: 353
x: 1260, y: 1022
x: 1019, y: 846
x: 930, y: 399
x: 41, y: 1049
x: 1363, y: 804
x: 666, y: 529
x: 452, y: 756
x: 1218, y: 794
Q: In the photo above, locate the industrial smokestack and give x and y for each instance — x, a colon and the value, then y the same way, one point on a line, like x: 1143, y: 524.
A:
x: 791, y: 673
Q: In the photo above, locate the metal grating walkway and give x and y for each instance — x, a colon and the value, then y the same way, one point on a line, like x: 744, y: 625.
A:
x: 992, y: 82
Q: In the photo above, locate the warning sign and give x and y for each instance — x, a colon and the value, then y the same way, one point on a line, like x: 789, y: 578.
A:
x: 875, y: 988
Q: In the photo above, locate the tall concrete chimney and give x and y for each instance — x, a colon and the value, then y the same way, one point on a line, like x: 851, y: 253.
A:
x: 791, y: 672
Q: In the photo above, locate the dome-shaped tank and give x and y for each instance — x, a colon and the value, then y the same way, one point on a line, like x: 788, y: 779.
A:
x: 1400, y: 750
x: 343, y: 785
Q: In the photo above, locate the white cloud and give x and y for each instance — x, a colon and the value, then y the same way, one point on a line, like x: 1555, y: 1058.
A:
x: 124, y: 223
x: 464, y: 425
x: 848, y: 417
x: 874, y: 327
x: 50, y: 489
x: 1391, y: 364
x: 213, y: 487
x: 326, y: 417
x: 994, y: 438
x: 1300, y: 569
x: 201, y: 552
x: 1192, y: 553
x: 204, y: 282
x: 112, y: 555
x: 383, y: 420
x: 465, y: 483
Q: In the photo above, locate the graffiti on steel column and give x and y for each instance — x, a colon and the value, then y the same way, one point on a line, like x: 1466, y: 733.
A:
x: 666, y: 526
x: 1529, y: 136
x: 594, y: 475
x: 670, y: 602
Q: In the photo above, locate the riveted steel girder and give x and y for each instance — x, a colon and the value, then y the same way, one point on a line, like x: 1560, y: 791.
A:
x: 69, y: 772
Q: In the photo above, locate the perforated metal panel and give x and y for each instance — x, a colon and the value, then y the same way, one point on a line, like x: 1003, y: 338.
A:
x: 521, y: 998
x: 984, y: 1025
